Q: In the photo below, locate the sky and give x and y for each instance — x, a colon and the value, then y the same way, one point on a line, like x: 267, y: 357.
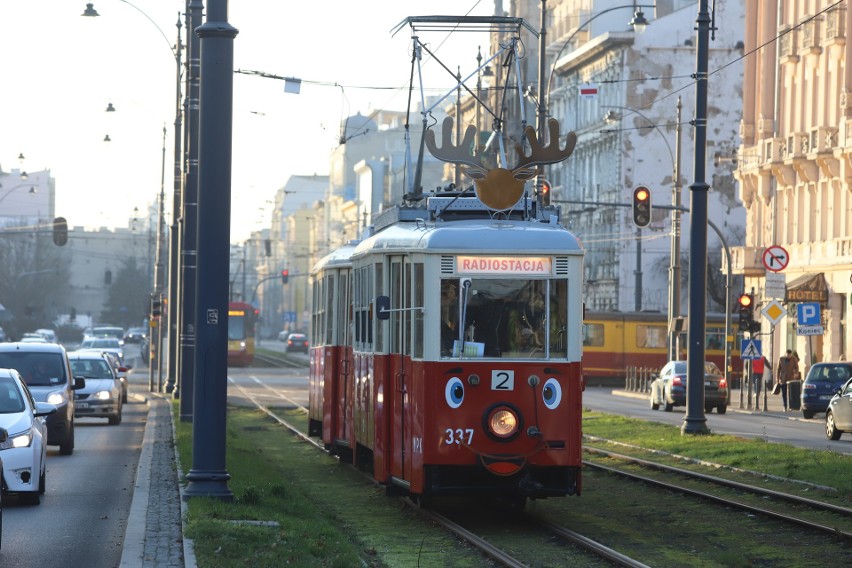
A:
x: 61, y: 70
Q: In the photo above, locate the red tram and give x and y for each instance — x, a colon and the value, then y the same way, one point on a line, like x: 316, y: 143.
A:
x: 446, y: 355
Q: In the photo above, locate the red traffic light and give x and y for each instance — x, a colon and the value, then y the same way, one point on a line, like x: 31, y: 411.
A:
x: 285, y: 276
x: 746, y: 301
x: 642, y: 194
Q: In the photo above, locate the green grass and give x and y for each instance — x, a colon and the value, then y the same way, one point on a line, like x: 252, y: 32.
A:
x: 329, y: 515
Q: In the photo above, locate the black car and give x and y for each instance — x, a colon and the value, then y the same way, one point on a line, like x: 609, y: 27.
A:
x: 47, y: 372
x: 821, y: 383
x: 297, y: 342
x: 135, y: 335
x: 669, y: 388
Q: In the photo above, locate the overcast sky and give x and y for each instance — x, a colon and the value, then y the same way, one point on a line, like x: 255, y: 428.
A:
x: 60, y: 71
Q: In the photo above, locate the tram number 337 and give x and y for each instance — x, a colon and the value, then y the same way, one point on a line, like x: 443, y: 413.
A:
x: 458, y: 436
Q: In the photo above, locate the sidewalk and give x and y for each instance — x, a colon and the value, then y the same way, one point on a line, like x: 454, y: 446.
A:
x: 154, y: 534
x: 772, y: 405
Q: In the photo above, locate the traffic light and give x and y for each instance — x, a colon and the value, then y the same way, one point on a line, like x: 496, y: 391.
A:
x: 545, y: 188
x: 267, y: 244
x: 641, y: 206
x: 156, y: 307
x: 746, y: 307
x: 60, y: 231
x: 285, y: 276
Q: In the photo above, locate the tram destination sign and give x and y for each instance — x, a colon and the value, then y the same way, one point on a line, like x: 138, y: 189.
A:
x: 514, y: 265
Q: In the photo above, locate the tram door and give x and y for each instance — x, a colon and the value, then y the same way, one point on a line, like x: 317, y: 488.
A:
x: 400, y: 431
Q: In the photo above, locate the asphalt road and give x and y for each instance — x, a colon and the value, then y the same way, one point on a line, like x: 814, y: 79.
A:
x: 83, y: 515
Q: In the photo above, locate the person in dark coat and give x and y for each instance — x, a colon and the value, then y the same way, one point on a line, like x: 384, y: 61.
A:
x: 788, y: 368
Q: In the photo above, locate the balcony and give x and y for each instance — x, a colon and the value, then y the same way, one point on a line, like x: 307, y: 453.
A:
x: 835, y: 27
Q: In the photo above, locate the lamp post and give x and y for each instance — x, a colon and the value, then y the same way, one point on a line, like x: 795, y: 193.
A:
x: 159, y: 276
x: 8, y: 192
x: 695, y: 421
x: 638, y: 22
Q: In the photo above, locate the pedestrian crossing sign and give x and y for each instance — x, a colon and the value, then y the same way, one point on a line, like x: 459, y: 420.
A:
x: 751, y: 349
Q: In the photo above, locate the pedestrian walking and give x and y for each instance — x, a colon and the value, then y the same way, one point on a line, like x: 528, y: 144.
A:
x: 788, y: 368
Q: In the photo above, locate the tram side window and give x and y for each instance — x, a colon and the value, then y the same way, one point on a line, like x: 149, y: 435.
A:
x: 380, y: 324
x: 558, y: 318
x: 330, y: 324
x: 356, y: 306
x: 714, y: 339
x: 406, y: 304
x: 396, y: 302
x: 650, y: 336
x: 417, y: 315
x: 593, y: 334
x: 321, y: 311
x: 314, y: 311
x: 343, y: 310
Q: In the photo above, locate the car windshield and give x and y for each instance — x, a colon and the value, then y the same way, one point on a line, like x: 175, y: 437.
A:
x: 91, y: 368
x: 116, y: 332
x: 37, y: 369
x: 11, y: 400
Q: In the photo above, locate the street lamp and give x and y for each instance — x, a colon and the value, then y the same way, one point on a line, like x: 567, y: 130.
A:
x: 31, y: 191
x: 159, y: 274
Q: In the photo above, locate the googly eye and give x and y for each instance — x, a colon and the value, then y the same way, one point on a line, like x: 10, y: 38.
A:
x: 454, y: 392
x: 551, y: 393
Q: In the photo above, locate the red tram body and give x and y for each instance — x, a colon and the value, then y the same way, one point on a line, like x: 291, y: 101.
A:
x: 446, y: 355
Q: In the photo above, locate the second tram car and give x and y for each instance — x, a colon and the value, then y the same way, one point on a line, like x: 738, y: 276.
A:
x: 242, y: 319
x: 615, y: 341
x: 446, y: 355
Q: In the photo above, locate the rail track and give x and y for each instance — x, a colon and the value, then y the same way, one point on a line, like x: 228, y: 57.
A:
x: 608, y: 555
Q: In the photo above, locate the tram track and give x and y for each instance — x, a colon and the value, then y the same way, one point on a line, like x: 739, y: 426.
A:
x: 812, y: 514
x: 483, y: 544
x: 273, y: 361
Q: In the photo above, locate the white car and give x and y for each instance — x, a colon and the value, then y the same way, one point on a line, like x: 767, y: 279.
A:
x: 24, y: 452
x: 102, y: 396
x: 102, y: 344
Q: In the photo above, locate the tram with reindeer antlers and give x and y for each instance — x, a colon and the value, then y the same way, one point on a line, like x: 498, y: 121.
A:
x: 447, y: 344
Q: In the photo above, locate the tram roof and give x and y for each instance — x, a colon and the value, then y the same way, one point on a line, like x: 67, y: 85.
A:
x: 340, y: 257
x: 473, y: 236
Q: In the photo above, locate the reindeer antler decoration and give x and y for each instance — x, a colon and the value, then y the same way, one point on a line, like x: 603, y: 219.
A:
x: 499, y: 188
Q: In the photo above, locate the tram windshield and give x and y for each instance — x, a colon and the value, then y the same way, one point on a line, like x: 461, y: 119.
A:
x: 505, y: 318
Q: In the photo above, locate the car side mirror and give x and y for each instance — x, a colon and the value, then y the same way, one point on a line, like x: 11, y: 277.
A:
x: 4, y: 435
x: 44, y: 409
x: 79, y: 383
x: 123, y: 369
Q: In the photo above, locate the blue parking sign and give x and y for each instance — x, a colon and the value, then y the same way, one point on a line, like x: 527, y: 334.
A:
x: 808, y: 313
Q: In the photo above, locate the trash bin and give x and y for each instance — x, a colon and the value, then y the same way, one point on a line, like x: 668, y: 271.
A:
x: 794, y: 395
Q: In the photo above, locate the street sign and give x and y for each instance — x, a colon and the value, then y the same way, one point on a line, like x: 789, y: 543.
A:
x: 289, y: 317
x: 774, y: 312
x: 751, y: 349
x: 810, y: 320
x: 808, y: 313
x: 776, y: 258
x: 775, y: 285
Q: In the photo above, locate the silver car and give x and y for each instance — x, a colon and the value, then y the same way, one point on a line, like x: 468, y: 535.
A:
x: 838, y: 416
x: 101, y: 397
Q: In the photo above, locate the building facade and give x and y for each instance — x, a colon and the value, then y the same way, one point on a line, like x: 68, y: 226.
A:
x: 795, y: 170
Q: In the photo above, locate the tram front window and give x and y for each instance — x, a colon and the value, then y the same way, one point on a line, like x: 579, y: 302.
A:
x: 236, y: 328
x: 500, y: 317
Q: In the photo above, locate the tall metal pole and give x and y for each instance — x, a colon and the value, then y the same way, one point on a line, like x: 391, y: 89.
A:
x: 189, y: 218
x: 174, y: 248
x: 541, y: 116
x: 154, y: 364
x: 695, y: 421
x: 208, y: 477
x: 674, y: 269
x: 637, y: 293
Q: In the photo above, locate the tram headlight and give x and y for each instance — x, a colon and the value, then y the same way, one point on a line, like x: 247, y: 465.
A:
x: 503, y: 422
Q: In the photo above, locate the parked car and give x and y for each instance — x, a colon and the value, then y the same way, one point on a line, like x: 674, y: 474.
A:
x: 24, y: 451
x: 669, y: 388
x: 47, y: 373
x: 297, y: 342
x: 838, y: 415
x: 110, y: 344
x: 283, y: 335
x: 135, y: 335
x: 821, y: 382
x: 101, y: 398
